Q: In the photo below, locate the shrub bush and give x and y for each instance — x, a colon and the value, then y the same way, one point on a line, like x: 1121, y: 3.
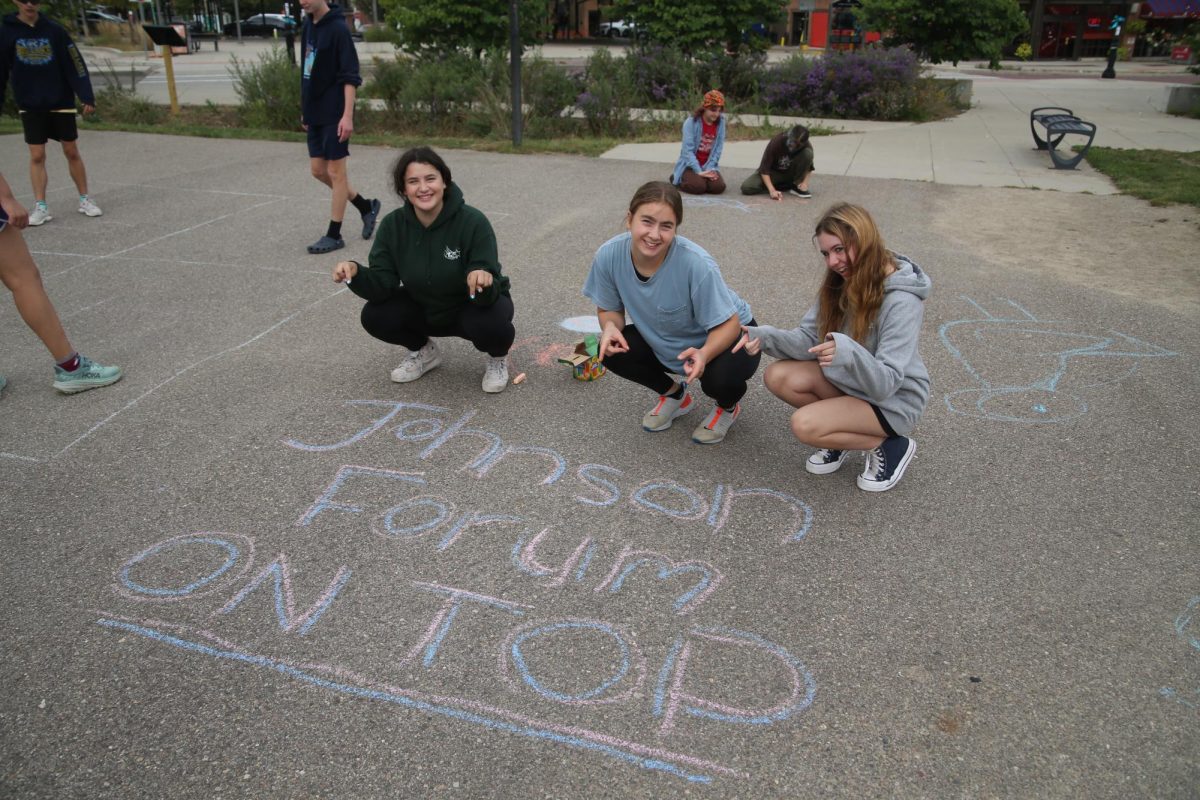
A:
x: 114, y: 104
x: 381, y: 32
x: 118, y: 102
x: 441, y: 89
x: 548, y: 91
x: 387, y: 82
x: 547, y: 94
x: 738, y: 76
x: 269, y: 91
x: 660, y: 76
x: 876, y: 83
x: 605, y: 96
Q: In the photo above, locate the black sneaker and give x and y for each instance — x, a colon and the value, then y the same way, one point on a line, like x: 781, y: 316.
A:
x: 886, y: 464
x: 803, y: 194
x: 368, y: 219
x: 825, y: 461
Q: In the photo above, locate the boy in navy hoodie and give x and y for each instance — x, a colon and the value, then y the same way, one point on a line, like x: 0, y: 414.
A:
x: 329, y: 82
x: 47, y: 75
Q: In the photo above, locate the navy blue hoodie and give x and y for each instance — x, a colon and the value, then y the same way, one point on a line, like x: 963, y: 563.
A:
x: 329, y: 62
x: 46, y: 68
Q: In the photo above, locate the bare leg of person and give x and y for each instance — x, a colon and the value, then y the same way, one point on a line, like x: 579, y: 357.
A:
x: 37, y: 171
x: 75, y: 166
x: 20, y: 275
x: 339, y: 182
x: 826, y: 416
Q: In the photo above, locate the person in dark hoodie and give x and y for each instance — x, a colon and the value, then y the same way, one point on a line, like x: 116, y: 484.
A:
x: 852, y: 368
x: 434, y: 271
x: 47, y: 75
x: 329, y: 82
x: 786, y: 163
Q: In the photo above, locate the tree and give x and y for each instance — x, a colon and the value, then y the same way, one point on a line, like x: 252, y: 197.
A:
x: 949, y: 30
x: 475, y: 25
x: 695, y: 25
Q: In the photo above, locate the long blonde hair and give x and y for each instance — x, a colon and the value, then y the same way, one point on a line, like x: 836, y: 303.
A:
x: 860, y: 297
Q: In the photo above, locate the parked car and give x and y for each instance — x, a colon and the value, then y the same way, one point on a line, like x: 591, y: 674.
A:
x: 262, y: 25
x: 96, y: 15
x: 618, y: 28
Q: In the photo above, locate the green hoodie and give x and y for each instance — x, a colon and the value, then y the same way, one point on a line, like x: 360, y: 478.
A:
x: 431, y: 264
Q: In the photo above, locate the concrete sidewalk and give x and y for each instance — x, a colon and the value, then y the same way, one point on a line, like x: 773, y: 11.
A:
x: 989, y: 145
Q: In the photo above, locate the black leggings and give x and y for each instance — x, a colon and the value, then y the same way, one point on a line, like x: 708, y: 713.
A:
x: 401, y: 320
x: 724, y: 378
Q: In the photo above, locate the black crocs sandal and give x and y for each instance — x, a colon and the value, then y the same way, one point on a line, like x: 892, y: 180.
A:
x: 326, y: 244
x: 368, y: 219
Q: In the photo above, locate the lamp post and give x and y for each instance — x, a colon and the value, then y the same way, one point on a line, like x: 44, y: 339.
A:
x: 514, y: 55
x: 1109, y: 71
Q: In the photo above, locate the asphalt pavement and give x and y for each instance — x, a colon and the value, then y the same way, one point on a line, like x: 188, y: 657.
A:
x: 255, y: 567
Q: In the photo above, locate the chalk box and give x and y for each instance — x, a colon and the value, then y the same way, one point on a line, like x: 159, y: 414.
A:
x: 584, y: 367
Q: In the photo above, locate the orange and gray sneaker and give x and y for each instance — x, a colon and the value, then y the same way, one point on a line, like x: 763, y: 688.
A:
x: 714, y: 428
x: 666, y: 410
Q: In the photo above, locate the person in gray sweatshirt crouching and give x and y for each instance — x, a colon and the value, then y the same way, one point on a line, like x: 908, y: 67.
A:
x: 852, y: 368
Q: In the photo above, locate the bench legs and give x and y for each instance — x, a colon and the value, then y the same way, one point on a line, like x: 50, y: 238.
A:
x: 1070, y: 162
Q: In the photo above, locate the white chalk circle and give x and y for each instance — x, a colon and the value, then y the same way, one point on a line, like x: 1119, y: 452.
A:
x: 588, y: 324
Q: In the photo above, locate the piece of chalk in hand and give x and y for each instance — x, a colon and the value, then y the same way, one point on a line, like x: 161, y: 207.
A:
x: 519, y: 379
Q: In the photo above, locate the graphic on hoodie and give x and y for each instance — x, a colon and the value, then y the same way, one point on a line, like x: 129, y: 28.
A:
x: 46, y: 70
x: 34, y: 52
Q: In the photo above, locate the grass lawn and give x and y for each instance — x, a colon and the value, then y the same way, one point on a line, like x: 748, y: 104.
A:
x: 375, y: 128
x: 1161, y: 177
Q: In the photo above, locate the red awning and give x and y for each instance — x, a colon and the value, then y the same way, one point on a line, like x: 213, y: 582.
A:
x: 1170, y: 9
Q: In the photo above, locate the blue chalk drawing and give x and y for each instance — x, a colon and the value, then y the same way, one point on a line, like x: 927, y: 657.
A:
x: 702, y: 201
x: 1171, y: 694
x: 231, y: 558
x: 518, y: 658
x: 1184, y: 621
x: 493, y: 721
x: 1183, y: 625
x: 1036, y: 398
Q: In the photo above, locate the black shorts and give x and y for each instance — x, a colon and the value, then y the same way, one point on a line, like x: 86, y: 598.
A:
x: 42, y: 125
x: 323, y: 143
x: 883, y: 423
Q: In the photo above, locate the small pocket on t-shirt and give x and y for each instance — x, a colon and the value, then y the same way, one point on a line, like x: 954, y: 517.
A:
x: 674, y: 319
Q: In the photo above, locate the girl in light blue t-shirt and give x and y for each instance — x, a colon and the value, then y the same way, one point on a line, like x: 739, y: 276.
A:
x: 682, y: 319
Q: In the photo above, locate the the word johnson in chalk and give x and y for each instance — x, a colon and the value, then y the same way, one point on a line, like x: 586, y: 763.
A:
x: 220, y: 570
x: 595, y: 485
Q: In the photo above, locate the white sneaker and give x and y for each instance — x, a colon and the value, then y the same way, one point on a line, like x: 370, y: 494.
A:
x: 495, y: 375
x: 40, y: 215
x: 86, y: 206
x: 418, y: 363
x: 825, y: 461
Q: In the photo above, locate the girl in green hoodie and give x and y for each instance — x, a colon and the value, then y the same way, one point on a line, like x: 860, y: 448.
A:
x: 433, y: 271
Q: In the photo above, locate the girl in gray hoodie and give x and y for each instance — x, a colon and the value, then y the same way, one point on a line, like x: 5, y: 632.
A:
x: 852, y: 368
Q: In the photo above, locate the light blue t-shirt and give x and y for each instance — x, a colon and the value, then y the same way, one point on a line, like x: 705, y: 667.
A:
x: 677, y: 307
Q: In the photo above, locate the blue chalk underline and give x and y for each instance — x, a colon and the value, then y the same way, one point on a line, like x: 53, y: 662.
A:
x: 390, y: 697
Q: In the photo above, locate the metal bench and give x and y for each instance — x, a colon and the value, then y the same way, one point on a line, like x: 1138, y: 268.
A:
x: 1059, y: 122
x: 205, y: 36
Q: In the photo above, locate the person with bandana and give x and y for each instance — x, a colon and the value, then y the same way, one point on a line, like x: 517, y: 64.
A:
x: 698, y: 169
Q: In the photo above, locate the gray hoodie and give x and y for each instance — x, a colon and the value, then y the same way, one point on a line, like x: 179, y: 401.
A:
x: 887, y: 371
